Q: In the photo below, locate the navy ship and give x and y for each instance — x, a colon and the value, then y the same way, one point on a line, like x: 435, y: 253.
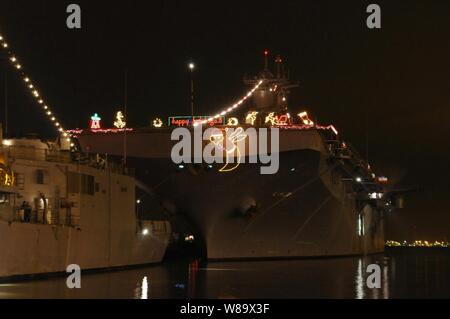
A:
x: 59, y: 208
x: 324, y: 200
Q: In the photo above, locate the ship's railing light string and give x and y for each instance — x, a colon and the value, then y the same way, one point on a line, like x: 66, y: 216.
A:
x: 14, y: 60
x: 231, y: 108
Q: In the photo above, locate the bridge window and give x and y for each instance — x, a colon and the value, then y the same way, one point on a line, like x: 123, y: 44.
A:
x: 81, y: 183
x: 87, y: 184
x: 41, y: 176
x: 73, y: 184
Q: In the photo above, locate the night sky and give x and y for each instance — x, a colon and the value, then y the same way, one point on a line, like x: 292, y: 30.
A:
x: 392, y: 83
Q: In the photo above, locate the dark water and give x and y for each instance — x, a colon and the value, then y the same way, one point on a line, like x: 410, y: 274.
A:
x: 405, y: 274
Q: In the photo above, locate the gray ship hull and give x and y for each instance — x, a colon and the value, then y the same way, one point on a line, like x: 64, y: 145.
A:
x: 297, y: 212
x: 308, y: 209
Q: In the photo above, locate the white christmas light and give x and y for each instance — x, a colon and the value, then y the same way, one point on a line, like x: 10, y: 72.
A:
x: 305, y: 119
x: 234, y: 106
x: 157, y: 123
x: 120, y: 120
x: 14, y: 61
x: 232, y: 121
x: 251, y: 117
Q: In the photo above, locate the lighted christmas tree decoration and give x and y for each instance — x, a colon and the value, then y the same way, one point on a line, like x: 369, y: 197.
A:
x: 95, y: 122
x: 119, y: 122
x: 157, y: 123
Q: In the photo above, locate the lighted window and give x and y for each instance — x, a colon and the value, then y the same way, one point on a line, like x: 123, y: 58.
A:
x: 4, y: 198
x: 361, y: 225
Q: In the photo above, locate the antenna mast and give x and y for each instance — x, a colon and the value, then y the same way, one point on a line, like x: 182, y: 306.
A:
x: 6, y: 104
x: 125, y: 102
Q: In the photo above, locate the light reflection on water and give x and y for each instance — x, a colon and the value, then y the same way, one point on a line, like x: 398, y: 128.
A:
x: 142, y: 291
x: 359, y: 281
x: 403, y: 275
x: 361, y: 290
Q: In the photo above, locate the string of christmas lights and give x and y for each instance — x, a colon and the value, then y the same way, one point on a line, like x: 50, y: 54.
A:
x: 32, y: 88
x: 307, y: 127
x: 231, y: 108
x: 76, y: 132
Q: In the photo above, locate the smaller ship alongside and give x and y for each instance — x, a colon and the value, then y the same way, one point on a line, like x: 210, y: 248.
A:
x: 58, y: 208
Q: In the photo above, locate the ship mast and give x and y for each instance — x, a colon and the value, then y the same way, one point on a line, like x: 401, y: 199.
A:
x: 272, y: 95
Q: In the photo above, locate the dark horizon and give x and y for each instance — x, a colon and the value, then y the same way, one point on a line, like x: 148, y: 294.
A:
x: 391, y: 83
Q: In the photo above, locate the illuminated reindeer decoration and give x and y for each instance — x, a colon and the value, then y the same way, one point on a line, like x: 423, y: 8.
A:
x: 231, y: 147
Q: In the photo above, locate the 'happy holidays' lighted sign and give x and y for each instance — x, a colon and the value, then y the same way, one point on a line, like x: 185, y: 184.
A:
x: 191, y: 120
